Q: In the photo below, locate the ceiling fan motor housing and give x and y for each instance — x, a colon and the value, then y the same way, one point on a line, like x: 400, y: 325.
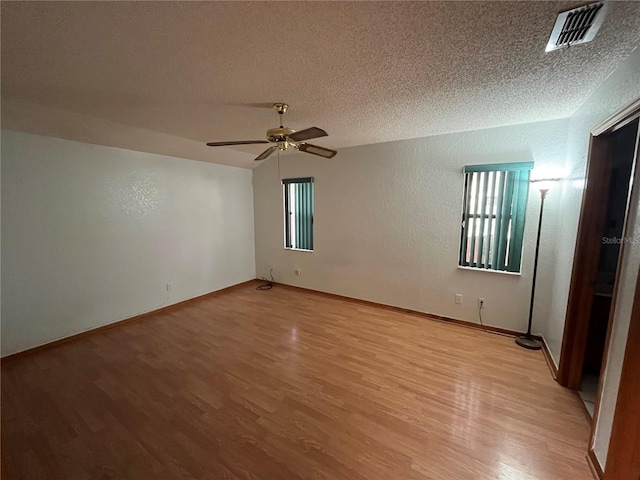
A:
x: 279, y: 135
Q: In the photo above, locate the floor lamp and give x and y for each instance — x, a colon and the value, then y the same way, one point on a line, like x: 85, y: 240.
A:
x: 527, y: 340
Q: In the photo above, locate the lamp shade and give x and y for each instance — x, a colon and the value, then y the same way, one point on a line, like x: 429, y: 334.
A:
x: 545, y: 183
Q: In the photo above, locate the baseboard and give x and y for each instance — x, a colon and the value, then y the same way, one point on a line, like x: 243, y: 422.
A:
x: 547, y: 356
x: 406, y: 311
x: 594, y: 465
x: 118, y: 323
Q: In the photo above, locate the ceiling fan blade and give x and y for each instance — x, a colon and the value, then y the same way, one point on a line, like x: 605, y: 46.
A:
x: 307, y: 133
x: 239, y: 142
x: 266, y: 153
x: 316, y: 150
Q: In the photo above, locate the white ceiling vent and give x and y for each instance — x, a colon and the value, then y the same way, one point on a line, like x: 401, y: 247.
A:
x: 576, y: 26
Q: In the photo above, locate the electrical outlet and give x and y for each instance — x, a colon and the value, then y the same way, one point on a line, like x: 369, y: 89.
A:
x: 169, y: 287
x: 459, y: 298
x: 297, y: 272
x: 481, y: 302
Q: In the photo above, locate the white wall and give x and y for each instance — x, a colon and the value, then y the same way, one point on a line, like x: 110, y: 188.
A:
x: 620, y: 89
x: 387, y: 222
x: 387, y: 225
x: 92, y: 234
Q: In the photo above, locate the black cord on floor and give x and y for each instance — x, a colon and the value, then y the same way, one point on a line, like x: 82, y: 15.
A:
x: 480, y: 305
x: 270, y: 283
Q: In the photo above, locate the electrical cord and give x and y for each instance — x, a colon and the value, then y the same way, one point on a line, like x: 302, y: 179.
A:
x: 270, y: 283
x: 480, y: 306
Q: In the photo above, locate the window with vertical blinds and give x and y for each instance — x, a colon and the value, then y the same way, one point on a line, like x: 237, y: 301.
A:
x: 298, y: 213
x: 495, y: 203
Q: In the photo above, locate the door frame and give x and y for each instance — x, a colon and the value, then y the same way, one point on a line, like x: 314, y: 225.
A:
x: 588, y: 243
x: 585, y: 263
x: 623, y: 457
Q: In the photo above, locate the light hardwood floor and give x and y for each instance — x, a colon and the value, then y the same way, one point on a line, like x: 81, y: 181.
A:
x: 283, y: 385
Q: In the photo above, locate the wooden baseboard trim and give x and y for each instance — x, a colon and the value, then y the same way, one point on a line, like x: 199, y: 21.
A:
x: 407, y: 311
x: 594, y: 465
x: 547, y: 356
x: 118, y: 323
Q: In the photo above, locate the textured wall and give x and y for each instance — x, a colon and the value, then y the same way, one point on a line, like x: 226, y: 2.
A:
x: 93, y: 234
x: 619, y: 90
x: 387, y: 222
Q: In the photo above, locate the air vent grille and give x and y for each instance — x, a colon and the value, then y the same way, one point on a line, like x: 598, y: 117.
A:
x: 576, y: 26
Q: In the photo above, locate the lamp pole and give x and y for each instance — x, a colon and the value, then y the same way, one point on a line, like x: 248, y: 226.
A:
x: 527, y: 340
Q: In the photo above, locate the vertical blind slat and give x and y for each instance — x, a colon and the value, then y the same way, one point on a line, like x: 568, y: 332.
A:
x: 483, y: 212
x: 310, y: 216
x: 505, y: 220
x: 299, y: 213
x: 475, y: 181
x: 490, y: 238
x: 465, y: 220
x: 514, y: 218
x: 287, y: 217
x: 498, y: 222
x: 306, y: 216
x: 298, y: 216
x: 518, y: 225
x: 472, y: 222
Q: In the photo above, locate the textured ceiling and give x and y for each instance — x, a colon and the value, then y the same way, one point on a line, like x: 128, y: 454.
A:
x: 166, y: 77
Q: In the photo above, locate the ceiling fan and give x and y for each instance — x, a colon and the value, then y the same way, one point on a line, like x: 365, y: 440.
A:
x: 285, y: 137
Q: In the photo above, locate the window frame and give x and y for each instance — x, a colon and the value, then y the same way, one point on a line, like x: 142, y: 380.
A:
x: 290, y: 243
x: 510, y: 184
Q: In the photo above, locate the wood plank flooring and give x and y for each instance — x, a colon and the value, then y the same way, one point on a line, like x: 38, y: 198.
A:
x: 284, y: 385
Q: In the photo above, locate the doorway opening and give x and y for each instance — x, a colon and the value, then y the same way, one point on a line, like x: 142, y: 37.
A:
x: 599, y: 243
x: 622, y: 150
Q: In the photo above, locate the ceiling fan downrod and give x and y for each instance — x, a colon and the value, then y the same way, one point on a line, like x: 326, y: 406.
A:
x: 281, y: 108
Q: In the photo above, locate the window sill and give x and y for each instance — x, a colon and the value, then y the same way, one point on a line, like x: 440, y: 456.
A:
x: 502, y: 272
x: 298, y: 250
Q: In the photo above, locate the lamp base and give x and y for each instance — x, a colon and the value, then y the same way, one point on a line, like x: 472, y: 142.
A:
x: 529, y: 342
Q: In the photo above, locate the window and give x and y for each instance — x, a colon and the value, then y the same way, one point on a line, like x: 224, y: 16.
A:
x: 495, y: 202
x: 298, y: 213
